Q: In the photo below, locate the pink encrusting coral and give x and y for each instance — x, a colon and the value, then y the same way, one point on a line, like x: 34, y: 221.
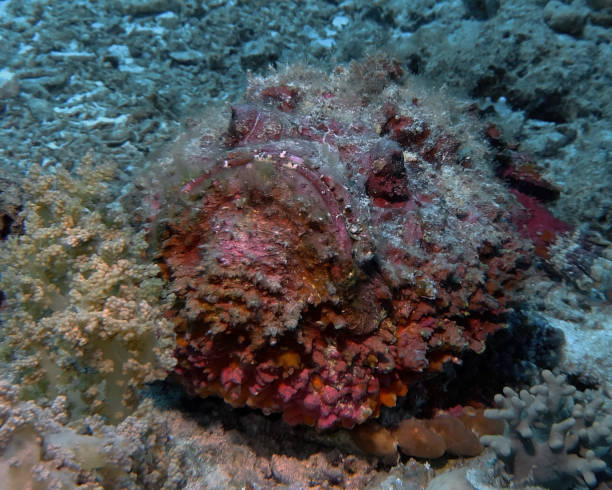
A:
x: 341, y: 239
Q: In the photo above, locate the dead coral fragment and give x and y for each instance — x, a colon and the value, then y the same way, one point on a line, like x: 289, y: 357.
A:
x: 556, y: 436
x: 83, y: 314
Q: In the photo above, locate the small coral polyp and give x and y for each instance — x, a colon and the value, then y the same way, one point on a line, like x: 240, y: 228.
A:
x: 338, y: 242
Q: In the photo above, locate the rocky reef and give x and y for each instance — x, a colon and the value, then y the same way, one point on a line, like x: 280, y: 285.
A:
x: 83, y: 327
x: 336, y: 244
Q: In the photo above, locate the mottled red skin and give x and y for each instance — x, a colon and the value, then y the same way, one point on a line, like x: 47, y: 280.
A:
x: 293, y: 294
x: 518, y: 169
x: 538, y: 224
x: 286, y: 97
x: 433, y: 144
x: 526, y: 178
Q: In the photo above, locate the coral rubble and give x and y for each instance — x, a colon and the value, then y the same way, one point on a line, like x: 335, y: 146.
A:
x: 84, y: 310
x: 342, y: 239
x: 41, y: 449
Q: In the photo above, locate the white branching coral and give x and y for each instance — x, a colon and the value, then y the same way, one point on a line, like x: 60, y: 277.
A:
x: 557, y: 437
x: 84, y: 308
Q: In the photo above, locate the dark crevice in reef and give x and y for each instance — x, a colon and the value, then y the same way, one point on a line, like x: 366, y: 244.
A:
x: 481, y: 9
x: 539, y: 192
x: 5, y: 225
x: 492, y: 84
x: 549, y: 107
